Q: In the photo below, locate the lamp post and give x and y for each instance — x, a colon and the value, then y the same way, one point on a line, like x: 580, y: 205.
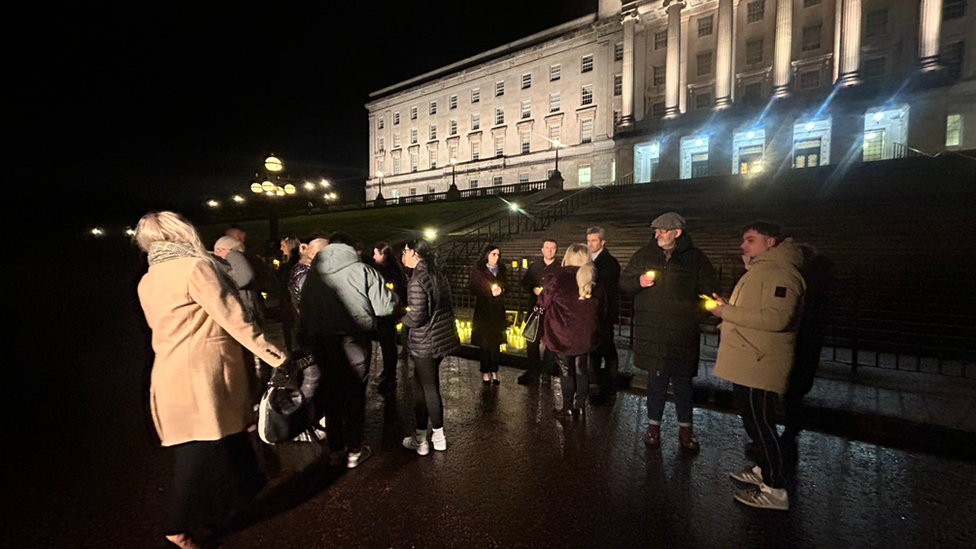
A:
x: 556, y: 180
x: 379, y: 201
x: 453, y: 193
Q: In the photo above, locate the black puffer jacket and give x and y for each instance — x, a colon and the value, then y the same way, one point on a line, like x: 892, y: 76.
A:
x: 430, y: 315
x: 667, y: 315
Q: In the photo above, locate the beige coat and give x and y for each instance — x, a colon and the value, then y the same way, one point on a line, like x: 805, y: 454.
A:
x: 199, y: 388
x: 759, y: 323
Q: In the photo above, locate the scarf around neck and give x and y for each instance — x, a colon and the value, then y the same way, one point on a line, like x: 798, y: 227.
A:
x: 160, y: 252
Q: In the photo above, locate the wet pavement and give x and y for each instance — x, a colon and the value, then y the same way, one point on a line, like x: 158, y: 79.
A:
x: 514, y: 476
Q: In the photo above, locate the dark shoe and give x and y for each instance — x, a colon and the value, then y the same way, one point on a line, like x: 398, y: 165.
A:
x: 687, y: 439
x: 528, y: 379
x: 602, y: 399
x: 580, y: 413
x: 652, y: 437
x: 494, y: 379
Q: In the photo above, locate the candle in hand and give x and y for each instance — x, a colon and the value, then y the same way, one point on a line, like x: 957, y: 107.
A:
x: 709, y: 302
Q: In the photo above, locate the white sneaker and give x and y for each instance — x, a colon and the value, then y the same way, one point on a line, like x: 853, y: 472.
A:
x: 749, y: 475
x: 764, y: 497
x: 356, y: 459
x: 417, y: 442
x: 438, y: 439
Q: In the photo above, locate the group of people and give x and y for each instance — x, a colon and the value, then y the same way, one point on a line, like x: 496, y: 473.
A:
x: 206, y: 317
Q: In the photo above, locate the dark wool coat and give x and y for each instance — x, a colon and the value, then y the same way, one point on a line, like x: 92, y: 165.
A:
x: 430, y: 315
x: 667, y: 315
x: 569, y: 324
x: 488, y: 327
x: 536, y: 276
x: 608, y: 278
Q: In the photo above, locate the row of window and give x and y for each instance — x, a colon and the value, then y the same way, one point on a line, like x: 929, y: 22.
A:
x: 496, y: 181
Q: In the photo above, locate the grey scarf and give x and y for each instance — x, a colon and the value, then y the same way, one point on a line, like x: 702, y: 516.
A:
x: 160, y: 252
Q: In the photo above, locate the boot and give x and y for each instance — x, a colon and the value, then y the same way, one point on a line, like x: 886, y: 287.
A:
x: 652, y: 437
x: 687, y: 439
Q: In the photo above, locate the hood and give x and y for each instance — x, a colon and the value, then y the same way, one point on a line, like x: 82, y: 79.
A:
x: 788, y: 252
x: 335, y: 257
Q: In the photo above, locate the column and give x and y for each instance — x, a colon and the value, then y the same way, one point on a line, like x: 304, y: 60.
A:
x: 723, y: 56
x: 783, y: 48
x: 850, y: 43
x: 929, y: 30
x: 838, y: 10
x: 627, y: 101
x: 672, y: 82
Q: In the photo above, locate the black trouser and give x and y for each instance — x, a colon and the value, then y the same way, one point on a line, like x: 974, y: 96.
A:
x: 758, y: 410
x: 657, y: 395
x: 573, y: 379
x: 427, y: 403
x: 489, y: 359
x: 538, y: 361
x: 386, y: 335
x: 606, y: 352
x: 344, y: 361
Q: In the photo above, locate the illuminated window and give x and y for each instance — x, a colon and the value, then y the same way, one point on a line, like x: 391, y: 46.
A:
x: 704, y: 26
x: 433, y: 108
x: 661, y: 39
x: 586, y: 130
x: 413, y: 113
x: 811, y: 37
x: 952, y: 9
x: 584, y: 175
x: 704, y: 64
x: 475, y: 95
x: 380, y: 165
x: 618, y: 84
x: 873, y: 145
x: 499, y: 116
x: 554, y: 73
x: 953, y: 130
x: 618, y: 51
x: 874, y: 67
x: 586, y: 95
x: 452, y: 102
x: 586, y: 63
x: 755, y: 11
x: 396, y: 165
x: 554, y: 102
x: 452, y: 127
x: 659, y: 75
x: 754, y: 51
x: 526, y: 108
x: 876, y: 23
x: 475, y: 122
x: 526, y: 81
x: 499, y: 88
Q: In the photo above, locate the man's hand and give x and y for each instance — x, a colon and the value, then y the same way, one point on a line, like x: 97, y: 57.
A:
x: 646, y: 281
x: 719, y: 306
x: 537, y: 290
x: 221, y: 252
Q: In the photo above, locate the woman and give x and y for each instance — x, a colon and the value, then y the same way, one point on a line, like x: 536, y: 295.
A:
x: 386, y: 334
x: 296, y: 281
x: 487, y: 282
x: 569, y: 325
x: 433, y: 335
x: 290, y: 257
x: 198, y: 390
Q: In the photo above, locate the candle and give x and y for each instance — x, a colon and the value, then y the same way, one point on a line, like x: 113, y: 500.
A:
x: 494, y: 287
x: 389, y: 285
x: 649, y: 274
x: 709, y: 302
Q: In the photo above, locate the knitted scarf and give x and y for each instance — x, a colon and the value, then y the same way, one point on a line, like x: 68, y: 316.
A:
x: 160, y: 252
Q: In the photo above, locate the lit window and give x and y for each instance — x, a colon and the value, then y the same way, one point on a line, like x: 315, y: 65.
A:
x: 584, y: 175
x: 659, y: 75
x: 526, y: 81
x: 526, y: 108
x: 433, y: 108
x: 475, y: 122
x: 452, y: 127
x: 413, y: 113
x: 811, y: 37
x: 586, y: 95
x: 704, y: 26
x: 873, y: 145
x: 499, y: 88
x: 475, y: 95
x: 618, y: 84
x: 586, y: 130
x: 499, y: 116
x: 554, y: 73
x: 586, y: 64
x: 754, y: 51
x: 876, y: 23
x: 755, y: 11
x: 953, y: 130
x: 452, y: 102
x: 554, y: 102
x: 704, y: 63
x: 661, y: 39
x: 618, y: 51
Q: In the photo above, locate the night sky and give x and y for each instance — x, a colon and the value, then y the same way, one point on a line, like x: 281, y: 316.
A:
x: 155, y: 106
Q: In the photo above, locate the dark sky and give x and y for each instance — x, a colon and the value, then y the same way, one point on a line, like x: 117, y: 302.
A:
x: 172, y: 104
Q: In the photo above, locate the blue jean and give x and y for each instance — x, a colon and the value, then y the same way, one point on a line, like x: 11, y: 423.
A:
x: 657, y: 395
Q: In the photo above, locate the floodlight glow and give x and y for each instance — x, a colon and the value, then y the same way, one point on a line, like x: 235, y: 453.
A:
x: 698, y: 142
x: 513, y: 206
x: 268, y: 186
x: 213, y: 203
x: 809, y: 126
x: 309, y: 186
x: 290, y: 189
x: 256, y: 187
x: 279, y: 191
x: 238, y: 198
x: 653, y: 148
x: 272, y: 164
x: 97, y: 232
x: 430, y: 234
x: 750, y: 135
x: 325, y: 183
x: 878, y: 116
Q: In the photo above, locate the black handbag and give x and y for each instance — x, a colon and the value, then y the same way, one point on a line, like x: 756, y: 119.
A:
x: 286, y: 410
x: 532, y: 329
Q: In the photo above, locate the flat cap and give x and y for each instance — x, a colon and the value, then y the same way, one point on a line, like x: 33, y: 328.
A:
x: 668, y: 222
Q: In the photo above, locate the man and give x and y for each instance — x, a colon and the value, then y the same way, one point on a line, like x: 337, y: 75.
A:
x: 755, y: 352
x: 608, y: 283
x: 666, y: 278
x: 339, y: 309
x: 532, y: 282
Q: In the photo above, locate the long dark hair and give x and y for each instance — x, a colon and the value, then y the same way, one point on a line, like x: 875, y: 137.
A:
x: 482, y: 262
x: 390, y: 264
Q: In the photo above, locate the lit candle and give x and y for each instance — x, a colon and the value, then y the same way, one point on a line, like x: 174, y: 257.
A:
x: 709, y: 302
x: 494, y: 287
x: 649, y: 274
x: 389, y: 285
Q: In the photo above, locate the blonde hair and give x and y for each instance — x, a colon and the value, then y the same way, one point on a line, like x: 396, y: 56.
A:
x: 307, y: 251
x: 167, y: 226
x: 578, y: 255
x: 291, y: 242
